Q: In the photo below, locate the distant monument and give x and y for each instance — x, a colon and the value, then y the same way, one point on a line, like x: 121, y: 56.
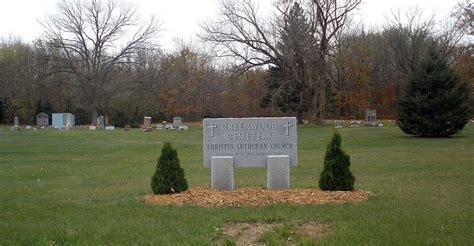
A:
x: 177, y: 121
x: 100, y: 122
x: 63, y: 120
x: 147, y: 124
x: 371, y: 117
x: 16, y: 124
x: 42, y: 120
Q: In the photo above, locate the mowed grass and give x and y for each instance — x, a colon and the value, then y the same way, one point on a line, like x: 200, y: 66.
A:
x: 86, y: 187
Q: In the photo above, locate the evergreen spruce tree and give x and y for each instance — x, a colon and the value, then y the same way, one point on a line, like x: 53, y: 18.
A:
x: 169, y: 176
x: 336, y: 174
x: 435, y: 102
x: 288, y: 84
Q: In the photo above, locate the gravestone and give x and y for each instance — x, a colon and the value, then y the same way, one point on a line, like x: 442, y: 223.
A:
x: 339, y: 123
x: 61, y: 120
x: 355, y: 123
x: 101, y: 122
x: 147, y: 124
x: 42, y: 120
x: 161, y: 126
x: 16, y: 122
x: 250, y: 142
x: 371, y: 117
x: 177, y: 121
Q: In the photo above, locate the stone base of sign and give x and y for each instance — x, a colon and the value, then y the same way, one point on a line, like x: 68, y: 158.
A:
x: 278, y: 172
x: 222, y: 173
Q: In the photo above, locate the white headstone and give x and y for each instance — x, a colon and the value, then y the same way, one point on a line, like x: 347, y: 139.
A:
x: 222, y: 173
x: 278, y: 172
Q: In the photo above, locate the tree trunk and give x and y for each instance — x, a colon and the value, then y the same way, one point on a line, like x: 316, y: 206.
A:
x: 299, y: 116
x: 322, y: 103
x: 94, y: 115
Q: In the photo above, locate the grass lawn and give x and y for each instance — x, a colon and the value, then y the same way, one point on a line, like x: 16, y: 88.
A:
x: 86, y: 187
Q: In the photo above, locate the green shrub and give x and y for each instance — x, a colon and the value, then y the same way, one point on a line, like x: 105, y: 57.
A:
x: 169, y: 176
x: 336, y: 174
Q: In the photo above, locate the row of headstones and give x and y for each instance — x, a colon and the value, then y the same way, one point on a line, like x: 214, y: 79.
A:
x: 43, y: 119
x: 370, y: 120
x: 102, y: 123
x: 16, y: 125
x: 176, y: 125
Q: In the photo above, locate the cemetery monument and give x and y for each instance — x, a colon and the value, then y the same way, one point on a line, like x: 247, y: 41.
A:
x: 42, y: 120
x: 177, y: 121
x: 100, y: 122
x: 146, y: 124
x: 16, y: 124
x: 371, y: 117
x: 63, y: 120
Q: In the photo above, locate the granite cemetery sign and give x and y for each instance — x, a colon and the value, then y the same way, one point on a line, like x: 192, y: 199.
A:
x: 250, y: 142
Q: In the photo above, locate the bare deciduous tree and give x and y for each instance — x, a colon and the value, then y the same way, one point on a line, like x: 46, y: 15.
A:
x: 253, y: 41
x: 90, y: 39
x: 329, y: 17
x: 406, y: 37
x: 242, y: 36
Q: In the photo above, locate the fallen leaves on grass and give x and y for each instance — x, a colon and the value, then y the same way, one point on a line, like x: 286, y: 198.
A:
x: 251, y: 197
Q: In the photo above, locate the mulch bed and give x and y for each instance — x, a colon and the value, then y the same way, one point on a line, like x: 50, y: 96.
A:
x: 252, y: 197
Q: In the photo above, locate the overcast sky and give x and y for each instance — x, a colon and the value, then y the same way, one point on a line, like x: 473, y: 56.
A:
x: 180, y: 18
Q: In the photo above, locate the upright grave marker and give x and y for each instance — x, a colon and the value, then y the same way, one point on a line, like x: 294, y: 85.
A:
x: 177, y: 121
x: 42, y: 120
x: 371, y: 117
x: 250, y: 142
x: 16, y: 122
x: 146, y: 123
x: 101, y: 122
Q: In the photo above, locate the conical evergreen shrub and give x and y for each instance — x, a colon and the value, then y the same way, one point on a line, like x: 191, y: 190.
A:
x: 169, y: 176
x: 435, y: 102
x: 336, y: 174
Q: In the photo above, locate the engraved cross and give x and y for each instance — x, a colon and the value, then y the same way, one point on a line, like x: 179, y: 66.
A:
x: 212, y: 126
x: 288, y: 125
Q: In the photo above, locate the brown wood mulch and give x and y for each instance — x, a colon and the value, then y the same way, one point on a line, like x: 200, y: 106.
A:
x: 252, y: 197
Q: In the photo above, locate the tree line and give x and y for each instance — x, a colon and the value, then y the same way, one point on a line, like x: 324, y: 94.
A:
x: 306, y: 59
